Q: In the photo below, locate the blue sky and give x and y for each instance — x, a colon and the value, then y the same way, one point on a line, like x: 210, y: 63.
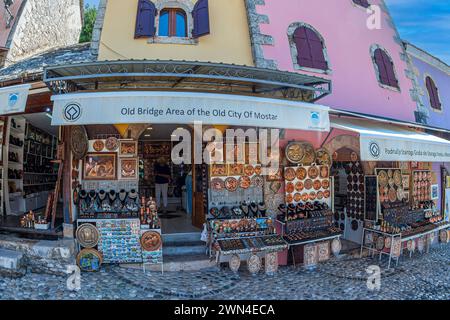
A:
x: 425, y: 23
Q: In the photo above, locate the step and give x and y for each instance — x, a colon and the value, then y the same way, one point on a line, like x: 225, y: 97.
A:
x: 184, y: 248
x: 11, y: 260
x: 180, y: 263
x: 181, y: 237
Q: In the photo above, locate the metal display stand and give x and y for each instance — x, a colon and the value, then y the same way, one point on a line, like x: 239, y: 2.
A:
x: 372, y: 249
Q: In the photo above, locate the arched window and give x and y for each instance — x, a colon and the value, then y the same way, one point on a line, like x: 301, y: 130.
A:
x: 385, y: 68
x: 362, y: 3
x: 310, y: 48
x: 433, y: 93
x: 172, y: 23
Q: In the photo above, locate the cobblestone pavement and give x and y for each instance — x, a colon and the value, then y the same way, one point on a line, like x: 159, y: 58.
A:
x: 422, y: 277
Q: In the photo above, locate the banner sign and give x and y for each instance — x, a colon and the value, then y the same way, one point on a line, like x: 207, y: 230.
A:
x: 186, y: 108
x: 377, y: 149
x: 14, y: 99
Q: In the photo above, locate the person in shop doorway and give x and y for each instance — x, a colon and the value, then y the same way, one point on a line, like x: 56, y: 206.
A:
x: 162, y: 179
x: 188, y: 184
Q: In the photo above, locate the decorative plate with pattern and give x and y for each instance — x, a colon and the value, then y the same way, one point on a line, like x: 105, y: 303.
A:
x: 254, y: 264
x: 87, y: 235
x: 235, y: 263
x: 295, y: 152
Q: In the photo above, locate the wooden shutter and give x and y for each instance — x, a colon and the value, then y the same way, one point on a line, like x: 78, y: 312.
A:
x: 309, y: 49
x: 389, y: 65
x: 145, y: 21
x: 433, y: 93
x: 362, y: 3
x: 200, y: 14
x: 379, y: 60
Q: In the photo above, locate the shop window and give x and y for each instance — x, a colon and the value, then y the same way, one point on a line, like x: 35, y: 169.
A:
x: 172, y: 23
x: 433, y: 93
x: 362, y: 3
x: 384, y: 68
x: 308, y: 48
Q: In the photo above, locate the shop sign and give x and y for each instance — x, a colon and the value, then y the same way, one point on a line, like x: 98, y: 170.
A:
x: 376, y: 149
x: 14, y: 99
x: 187, y: 108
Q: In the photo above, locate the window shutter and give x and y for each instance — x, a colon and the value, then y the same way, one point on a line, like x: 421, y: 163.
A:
x: 200, y: 15
x: 433, y: 93
x: 145, y: 21
x: 316, y: 46
x: 392, y: 79
x: 304, y: 58
x: 362, y: 3
x: 379, y: 60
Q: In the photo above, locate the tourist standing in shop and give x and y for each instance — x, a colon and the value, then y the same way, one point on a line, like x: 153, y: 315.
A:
x: 162, y: 179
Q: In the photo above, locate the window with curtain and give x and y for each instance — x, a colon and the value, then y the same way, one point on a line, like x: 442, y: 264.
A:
x: 433, y: 93
x: 386, y: 73
x: 172, y: 23
x: 310, y: 49
x: 362, y: 3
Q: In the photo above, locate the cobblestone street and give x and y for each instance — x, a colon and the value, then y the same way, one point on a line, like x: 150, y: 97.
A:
x: 423, y: 277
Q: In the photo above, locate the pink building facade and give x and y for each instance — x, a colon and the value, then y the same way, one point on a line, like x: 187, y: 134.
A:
x: 348, y: 47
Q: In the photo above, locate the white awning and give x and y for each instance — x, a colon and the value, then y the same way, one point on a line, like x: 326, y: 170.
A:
x: 158, y: 107
x: 386, y: 142
x: 13, y: 99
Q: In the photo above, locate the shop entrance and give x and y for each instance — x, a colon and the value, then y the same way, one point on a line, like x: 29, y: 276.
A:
x: 170, y: 184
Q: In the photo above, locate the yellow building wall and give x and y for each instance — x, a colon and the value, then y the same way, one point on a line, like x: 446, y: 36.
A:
x: 229, y: 41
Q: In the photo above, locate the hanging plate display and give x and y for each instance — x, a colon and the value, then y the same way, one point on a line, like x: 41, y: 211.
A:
x: 79, y: 142
x: 231, y: 184
x: 289, y: 174
x: 217, y: 184
x: 98, y: 145
x: 336, y: 247
x: 310, y: 154
x: 295, y: 152
x: 245, y: 182
x: 89, y: 260
x: 151, y: 241
x: 112, y: 144
x: 382, y: 178
x: 323, y: 157
x: 254, y: 264
x: 235, y: 263
x: 87, y: 235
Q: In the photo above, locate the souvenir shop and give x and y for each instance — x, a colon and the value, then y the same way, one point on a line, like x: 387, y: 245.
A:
x: 390, y: 205
x: 29, y: 167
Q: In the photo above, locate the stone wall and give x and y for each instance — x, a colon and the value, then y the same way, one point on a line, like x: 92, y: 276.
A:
x: 44, y: 25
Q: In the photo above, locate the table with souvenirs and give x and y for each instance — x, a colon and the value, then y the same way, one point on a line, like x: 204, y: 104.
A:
x: 117, y: 228
x: 408, y: 217
x: 240, y: 228
x: 307, y: 217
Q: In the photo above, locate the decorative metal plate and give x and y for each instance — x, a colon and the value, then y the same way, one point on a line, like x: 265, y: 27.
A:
x: 336, y: 246
x: 254, y: 264
x: 112, y: 144
x: 271, y: 263
x: 234, y: 263
x: 98, y: 145
x: 89, y: 260
x: 87, y: 235
x: 295, y: 152
x: 79, y: 142
x: 151, y: 241
x: 444, y: 236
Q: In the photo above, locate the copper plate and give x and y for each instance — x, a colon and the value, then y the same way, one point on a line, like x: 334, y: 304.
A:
x: 231, y: 184
x: 289, y: 198
x: 319, y: 195
x: 249, y: 170
x: 257, y: 181
x: 326, y: 194
x: 382, y: 178
x: 295, y: 152
x: 89, y: 260
x: 299, y: 186
x: 326, y: 184
x: 310, y: 154
x: 79, y: 142
x: 301, y: 173
x: 151, y: 241
x: 323, y: 157
x: 313, y: 172
x: 305, y: 197
x: 324, y: 172
x: 308, y: 184
x: 217, y: 184
x: 290, y: 187
x: 289, y: 174
x: 112, y: 144
x: 245, y: 182
x: 398, y: 178
x: 312, y: 196
x: 297, y: 197
x: 87, y: 235
x: 99, y: 145
x: 258, y: 170
x: 317, y: 185
x: 236, y: 169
